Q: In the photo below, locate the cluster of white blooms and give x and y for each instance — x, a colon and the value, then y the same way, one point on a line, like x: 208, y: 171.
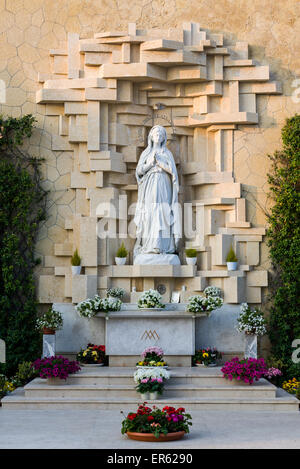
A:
x: 90, y: 307
x: 251, y: 321
x: 212, y: 291
x: 150, y: 299
x: 149, y: 373
x: 201, y: 304
x: 116, y: 292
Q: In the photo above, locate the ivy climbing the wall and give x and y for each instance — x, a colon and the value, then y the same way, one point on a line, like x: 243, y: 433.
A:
x: 284, y: 243
x: 22, y: 208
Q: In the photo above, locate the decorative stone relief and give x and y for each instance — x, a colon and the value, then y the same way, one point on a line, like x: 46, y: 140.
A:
x: 103, y: 96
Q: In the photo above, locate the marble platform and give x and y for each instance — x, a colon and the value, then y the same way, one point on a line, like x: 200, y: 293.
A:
x: 156, y: 259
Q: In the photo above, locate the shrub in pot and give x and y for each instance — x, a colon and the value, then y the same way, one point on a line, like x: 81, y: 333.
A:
x: 121, y: 255
x: 231, y: 259
x: 75, y: 262
x: 247, y: 371
x: 50, y: 321
x: 191, y: 256
x: 115, y: 292
x: 206, y: 357
x: 90, y: 307
x: 148, y: 424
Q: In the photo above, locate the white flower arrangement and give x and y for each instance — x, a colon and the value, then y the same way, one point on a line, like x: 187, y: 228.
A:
x: 115, y: 292
x: 251, y: 321
x: 90, y: 307
x: 202, y: 304
x: 150, y: 299
x: 144, y: 373
x: 212, y: 291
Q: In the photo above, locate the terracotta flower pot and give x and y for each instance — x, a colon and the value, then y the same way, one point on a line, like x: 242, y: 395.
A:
x: 54, y: 381
x: 47, y: 331
x: 151, y: 438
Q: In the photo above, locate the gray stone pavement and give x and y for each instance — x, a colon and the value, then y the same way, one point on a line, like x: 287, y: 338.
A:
x: 99, y: 429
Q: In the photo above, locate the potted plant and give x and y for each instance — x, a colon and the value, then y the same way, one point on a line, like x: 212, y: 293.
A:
x: 50, y: 321
x: 245, y: 371
x: 121, y: 255
x: 151, y: 357
x: 252, y: 322
x: 207, y: 303
x: 92, y: 306
x: 206, y: 357
x: 155, y: 425
x: 75, y: 262
x: 115, y: 292
x: 55, y: 369
x: 191, y: 256
x: 150, y: 299
x: 150, y: 382
x: 92, y: 355
x: 231, y: 259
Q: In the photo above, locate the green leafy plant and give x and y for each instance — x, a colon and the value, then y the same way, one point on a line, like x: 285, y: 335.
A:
x: 284, y: 242
x: 191, y: 252
x: 122, y: 251
x: 22, y: 209
x: 25, y: 373
x: 231, y: 257
x: 51, y: 319
x: 75, y: 259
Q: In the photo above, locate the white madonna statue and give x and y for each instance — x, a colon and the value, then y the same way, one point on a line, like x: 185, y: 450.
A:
x: 157, y: 215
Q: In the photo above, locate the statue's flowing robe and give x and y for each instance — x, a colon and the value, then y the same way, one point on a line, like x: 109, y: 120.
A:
x: 157, y: 215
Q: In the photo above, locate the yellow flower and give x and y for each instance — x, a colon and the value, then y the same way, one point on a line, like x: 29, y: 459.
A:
x: 140, y: 363
x: 84, y: 354
x: 205, y: 354
x: 94, y: 352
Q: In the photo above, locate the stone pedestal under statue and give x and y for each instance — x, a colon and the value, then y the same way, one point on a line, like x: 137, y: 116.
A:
x: 156, y: 259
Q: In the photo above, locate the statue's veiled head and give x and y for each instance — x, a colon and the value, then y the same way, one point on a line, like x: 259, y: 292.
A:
x: 157, y: 135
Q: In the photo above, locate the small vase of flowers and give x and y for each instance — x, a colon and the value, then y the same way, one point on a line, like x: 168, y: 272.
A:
x: 92, y: 306
x: 206, y: 357
x: 115, y: 292
x: 207, y: 303
x: 152, y: 357
x: 150, y: 299
x: 50, y: 321
x: 150, y: 382
x: 92, y: 355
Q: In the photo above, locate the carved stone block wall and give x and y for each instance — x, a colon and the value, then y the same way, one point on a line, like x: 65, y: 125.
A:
x: 102, y: 97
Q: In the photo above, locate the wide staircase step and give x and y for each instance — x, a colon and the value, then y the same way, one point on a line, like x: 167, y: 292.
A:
x: 193, y: 388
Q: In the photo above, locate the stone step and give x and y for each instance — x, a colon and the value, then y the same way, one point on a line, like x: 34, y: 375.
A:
x: 283, y: 402
x: 40, y: 388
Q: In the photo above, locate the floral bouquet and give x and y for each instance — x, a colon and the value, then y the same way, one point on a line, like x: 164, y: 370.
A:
x: 150, y: 380
x: 207, y: 303
x: 90, y: 307
x: 51, y: 320
x: 6, y: 386
x: 206, y: 356
x: 152, y: 356
x: 292, y: 386
x: 93, y: 354
x: 116, y: 292
x: 55, y: 367
x: 251, y: 321
x: 248, y: 370
x: 156, y: 421
x: 150, y: 299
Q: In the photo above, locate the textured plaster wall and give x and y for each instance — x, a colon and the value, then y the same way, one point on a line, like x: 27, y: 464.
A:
x: 30, y: 28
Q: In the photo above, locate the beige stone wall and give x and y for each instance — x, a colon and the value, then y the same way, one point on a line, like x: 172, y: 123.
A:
x: 29, y: 29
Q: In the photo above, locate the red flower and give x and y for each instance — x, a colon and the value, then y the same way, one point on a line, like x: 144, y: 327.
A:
x: 132, y: 416
x: 180, y: 409
x: 150, y: 418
